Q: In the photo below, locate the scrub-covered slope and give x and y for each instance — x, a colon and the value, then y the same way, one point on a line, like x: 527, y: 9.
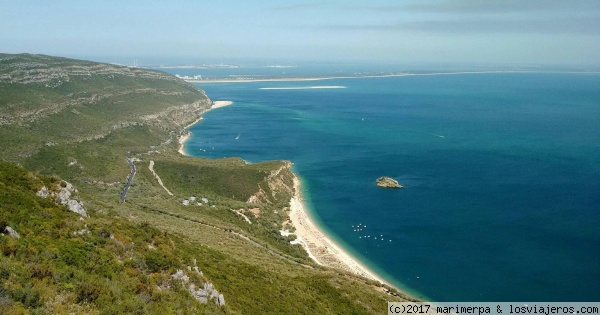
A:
x: 193, y: 235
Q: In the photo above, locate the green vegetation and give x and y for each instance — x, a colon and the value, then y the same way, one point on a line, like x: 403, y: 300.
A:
x: 77, y: 121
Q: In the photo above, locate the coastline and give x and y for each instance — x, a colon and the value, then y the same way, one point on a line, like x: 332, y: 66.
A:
x: 319, y: 246
x: 219, y: 104
x: 292, y: 79
x: 322, y: 249
x: 183, y: 138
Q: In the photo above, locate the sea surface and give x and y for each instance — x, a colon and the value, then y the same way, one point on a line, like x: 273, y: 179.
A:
x: 502, y: 175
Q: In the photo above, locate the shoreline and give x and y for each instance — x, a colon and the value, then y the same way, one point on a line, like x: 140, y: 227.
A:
x: 183, y: 138
x: 292, y: 79
x: 219, y: 104
x: 321, y: 248
x: 318, y: 245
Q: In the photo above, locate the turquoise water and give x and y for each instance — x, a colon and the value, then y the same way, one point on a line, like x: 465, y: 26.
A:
x: 502, y: 175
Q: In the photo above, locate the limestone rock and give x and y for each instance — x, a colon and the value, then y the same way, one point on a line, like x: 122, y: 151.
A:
x: 77, y: 207
x: 203, y: 294
x: 388, y: 182
x: 43, y: 192
x: 181, y: 275
x: 63, y: 197
x: 11, y: 232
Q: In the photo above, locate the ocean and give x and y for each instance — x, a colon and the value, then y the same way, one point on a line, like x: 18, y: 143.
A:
x: 502, y: 174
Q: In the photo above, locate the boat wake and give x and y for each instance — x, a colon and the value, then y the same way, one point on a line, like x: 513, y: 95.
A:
x: 439, y: 136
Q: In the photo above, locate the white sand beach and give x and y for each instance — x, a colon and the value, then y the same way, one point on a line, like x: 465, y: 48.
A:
x: 218, y: 104
x: 182, y: 139
x: 319, y: 247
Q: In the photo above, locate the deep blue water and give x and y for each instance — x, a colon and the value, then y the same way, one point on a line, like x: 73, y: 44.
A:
x: 502, y: 175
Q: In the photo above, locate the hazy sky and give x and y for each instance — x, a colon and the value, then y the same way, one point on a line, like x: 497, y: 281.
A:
x: 384, y: 31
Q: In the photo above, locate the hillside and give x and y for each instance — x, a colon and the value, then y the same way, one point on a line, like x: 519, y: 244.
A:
x: 83, y: 123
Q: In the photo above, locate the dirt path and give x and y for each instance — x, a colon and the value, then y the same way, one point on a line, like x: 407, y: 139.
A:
x: 151, y: 168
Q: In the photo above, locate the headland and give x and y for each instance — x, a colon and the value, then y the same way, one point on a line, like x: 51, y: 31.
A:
x: 319, y: 246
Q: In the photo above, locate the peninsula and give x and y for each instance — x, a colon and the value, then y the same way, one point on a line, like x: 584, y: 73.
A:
x: 193, y: 235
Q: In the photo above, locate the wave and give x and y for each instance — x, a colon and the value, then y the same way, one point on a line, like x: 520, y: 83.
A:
x: 305, y: 87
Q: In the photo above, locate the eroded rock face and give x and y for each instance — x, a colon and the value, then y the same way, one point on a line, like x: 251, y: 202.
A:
x: 279, y: 184
x: 387, y: 182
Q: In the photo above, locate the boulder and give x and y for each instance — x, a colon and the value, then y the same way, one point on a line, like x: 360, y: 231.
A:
x: 11, y: 232
x: 77, y: 207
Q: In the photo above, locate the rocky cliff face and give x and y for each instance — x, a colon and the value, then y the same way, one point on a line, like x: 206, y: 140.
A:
x: 277, y: 187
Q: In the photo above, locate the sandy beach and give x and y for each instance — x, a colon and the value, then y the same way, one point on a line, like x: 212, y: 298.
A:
x: 319, y: 247
x: 219, y: 104
x: 183, y: 138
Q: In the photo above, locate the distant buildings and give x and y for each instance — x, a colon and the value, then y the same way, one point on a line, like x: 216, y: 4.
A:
x: 189, y: 77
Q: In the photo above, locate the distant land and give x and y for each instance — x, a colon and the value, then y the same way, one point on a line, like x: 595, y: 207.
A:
x: 220, y: 66
x: 291, y: 78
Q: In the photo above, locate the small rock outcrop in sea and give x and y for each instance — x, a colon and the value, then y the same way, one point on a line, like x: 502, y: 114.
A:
x: 387, y: 182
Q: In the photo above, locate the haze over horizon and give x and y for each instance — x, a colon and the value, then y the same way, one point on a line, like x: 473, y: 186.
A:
x: 546, y: 32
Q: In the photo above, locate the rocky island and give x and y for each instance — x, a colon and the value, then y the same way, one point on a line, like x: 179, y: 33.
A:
x: 387, y: 182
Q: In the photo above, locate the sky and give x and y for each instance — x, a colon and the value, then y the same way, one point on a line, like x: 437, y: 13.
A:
x: 545, y: 32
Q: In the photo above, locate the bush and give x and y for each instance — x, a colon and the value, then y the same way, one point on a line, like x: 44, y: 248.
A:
x: 157, y: 261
